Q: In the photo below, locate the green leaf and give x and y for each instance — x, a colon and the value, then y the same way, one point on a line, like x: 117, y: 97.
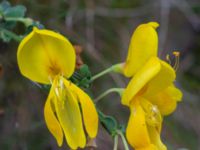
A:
x: 3, y: 6
x: 10, y: 15
x: 15, y: 12
x: 7, y: 35
x: 109, y: 123
x: 6, y: 38
x: 8, y: 25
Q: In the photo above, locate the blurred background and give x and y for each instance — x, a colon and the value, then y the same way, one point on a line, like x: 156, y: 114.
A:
x: 103, y: 29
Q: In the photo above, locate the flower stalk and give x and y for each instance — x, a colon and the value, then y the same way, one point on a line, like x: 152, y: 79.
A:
x: 116, y: 138
x: 112, y: 90
x: 123, y: 140
x: 114, y: 68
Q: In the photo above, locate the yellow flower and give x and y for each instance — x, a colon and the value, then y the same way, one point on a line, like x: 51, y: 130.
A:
x: 151, y: 93
x: 143, y: 41
x: 49, y: 58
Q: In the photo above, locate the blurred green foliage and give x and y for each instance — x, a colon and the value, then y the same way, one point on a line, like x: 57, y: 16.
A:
x: 8, y: 18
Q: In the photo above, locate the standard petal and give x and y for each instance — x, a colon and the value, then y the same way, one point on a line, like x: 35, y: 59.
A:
x: 69, y: 116
x: 51, y: 121
x: 166, y: 100
x: 136, y: 132
x: 155, y: 138
x: 43, y: 54
x: 162, y: 80
x: 141, y: 78
x: 90, y: 115
x: 143, y: 45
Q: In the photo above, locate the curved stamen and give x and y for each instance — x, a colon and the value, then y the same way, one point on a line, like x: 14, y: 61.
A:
x: 168, y: 59
x: 177, y: 59
x: 177, y: 55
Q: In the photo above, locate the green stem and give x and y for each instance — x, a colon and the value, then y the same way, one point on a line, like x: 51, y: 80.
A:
x: 12, y: 35
x: 117, y: 90
x: 123, y: 140
x: 114, y: 68
x: 115, y: 142
x: 26, y: 21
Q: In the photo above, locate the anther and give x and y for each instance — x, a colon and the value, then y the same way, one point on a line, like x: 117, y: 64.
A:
x: 177, y: 55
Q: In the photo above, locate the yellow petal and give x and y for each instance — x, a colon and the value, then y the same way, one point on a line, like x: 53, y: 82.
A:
x: 90, y: 115
x: 155, y: 138
x: 149, y: 147
x: 141, y: 78
x: 162, y: 80
x: 51, y: 120
x: 143, y: 45
x: 166, y: 100
x: 69, y: 115
x: 43, y: 54
x: 175, y: 93
x: 136, y: 132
